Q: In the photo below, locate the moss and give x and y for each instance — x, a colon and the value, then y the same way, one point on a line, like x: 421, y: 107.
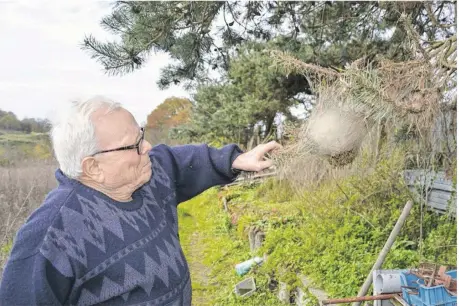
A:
x: 333, y: 234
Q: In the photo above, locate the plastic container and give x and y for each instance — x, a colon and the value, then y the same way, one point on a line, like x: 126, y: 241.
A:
x: 409, y: 280
x: 246, y: 287
x: 421, y: 295
x: 244, y: 267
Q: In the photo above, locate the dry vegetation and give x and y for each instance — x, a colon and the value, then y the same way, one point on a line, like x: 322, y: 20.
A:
x: 22, y: 189
x: 378, y: 103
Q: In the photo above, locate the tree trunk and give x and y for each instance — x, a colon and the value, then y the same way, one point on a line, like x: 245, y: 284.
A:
x: 382, y: 139
x: 247, y: 131
x: 255, y: 139
x: 269, y: 124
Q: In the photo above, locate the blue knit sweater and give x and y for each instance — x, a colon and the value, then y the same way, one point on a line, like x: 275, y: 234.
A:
x: 83, y: 248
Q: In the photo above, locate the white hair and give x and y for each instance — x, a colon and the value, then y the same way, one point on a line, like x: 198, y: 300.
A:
x: 73, y: 134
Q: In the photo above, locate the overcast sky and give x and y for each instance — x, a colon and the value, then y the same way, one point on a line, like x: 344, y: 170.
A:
x: 42, y: 66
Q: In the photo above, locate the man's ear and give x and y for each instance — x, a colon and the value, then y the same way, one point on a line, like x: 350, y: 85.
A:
x: 92, y: 170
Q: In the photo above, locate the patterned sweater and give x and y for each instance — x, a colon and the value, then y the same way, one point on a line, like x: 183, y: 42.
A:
x: 81, y: 247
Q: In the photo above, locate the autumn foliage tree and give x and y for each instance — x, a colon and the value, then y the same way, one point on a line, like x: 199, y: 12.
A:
x: 171, y: 113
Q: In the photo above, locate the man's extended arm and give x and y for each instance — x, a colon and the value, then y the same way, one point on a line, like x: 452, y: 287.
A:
x: 199, y: 167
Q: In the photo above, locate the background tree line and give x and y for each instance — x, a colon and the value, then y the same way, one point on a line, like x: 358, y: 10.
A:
x: 9, y: 121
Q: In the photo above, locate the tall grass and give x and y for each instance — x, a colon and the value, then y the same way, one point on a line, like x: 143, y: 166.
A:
x: 22, y: 189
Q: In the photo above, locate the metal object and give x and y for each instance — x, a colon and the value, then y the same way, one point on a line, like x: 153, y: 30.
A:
x: 246, y: 287
x: 433, y: 276
x: 399, y: 299
x: 385, y: 250
x: 359, y: 299
x: 425, y: 286
x: 386, y: 281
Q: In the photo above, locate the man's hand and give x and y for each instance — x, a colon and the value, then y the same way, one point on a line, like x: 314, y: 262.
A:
x: 255, y: 160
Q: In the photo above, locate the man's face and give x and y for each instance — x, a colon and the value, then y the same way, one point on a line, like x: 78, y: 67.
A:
x: 125, y: 168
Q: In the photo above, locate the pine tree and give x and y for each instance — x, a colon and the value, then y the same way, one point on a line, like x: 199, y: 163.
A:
x: 204, y: 36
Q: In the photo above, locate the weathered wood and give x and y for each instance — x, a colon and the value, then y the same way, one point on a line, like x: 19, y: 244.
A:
x: 438, y: 187
x: 443, y: 186
x: 440, y: 194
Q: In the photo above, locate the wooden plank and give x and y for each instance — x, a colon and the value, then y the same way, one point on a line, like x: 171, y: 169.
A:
x: 420, y: 177
x: 439, y: 212
x: 440, y: 195
x: 443, y: 208
x: 441, y: 204
x: 443, y: 186
x: 437, y: 206
x: 435, y: 184
x: 440, y: 189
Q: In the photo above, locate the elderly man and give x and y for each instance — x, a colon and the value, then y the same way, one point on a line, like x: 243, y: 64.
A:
x: 108, y: 234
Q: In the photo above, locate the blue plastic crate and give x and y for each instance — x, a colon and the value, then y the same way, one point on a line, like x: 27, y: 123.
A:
x: 422, y: 295
x: 410, y: 280
x: 452, y: 273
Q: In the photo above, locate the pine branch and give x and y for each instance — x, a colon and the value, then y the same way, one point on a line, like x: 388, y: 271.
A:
x: 117, y: 22
x: 114, y: 57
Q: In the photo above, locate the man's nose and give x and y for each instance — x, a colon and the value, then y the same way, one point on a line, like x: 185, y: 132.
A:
x: 146, y: 147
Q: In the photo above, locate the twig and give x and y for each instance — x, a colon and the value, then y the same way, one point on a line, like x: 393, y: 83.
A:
x: 234, y: 18
x: 351, y: 210
x: 10, y: 226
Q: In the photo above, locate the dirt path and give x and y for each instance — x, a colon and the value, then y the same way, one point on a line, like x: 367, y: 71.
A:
x: 199, y: 271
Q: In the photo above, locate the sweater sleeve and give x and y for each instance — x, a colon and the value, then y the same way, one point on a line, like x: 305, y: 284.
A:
x: 199, y: 167
x: 33, y: 281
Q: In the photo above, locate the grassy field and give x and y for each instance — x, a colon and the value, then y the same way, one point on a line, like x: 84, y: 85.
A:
x: 17, y: 147
x: 20, y: 137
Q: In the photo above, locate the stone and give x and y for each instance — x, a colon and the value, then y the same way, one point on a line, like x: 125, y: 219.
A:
x: 258, y: 240
x: 284, y: 294
x: 301, y: 298
x: 318, y: 293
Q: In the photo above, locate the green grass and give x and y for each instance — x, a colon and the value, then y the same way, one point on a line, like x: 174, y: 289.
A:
x: 18, y: 146
x: 20, y: 138
x: 6, y: 248
x: 333, y: 234
x: 3, y: 131
x: 222, y: 247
